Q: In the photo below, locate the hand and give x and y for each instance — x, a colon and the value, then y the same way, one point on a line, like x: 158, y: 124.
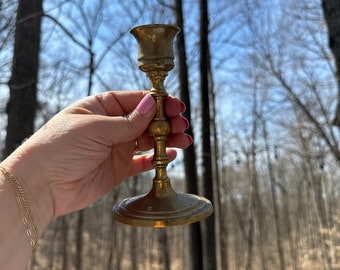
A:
x: 88, y: 148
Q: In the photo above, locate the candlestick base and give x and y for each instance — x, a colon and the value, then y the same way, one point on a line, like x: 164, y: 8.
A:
x: 149, y: 210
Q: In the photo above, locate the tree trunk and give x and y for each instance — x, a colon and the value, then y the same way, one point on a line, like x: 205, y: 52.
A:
x: 210, y: 242
x: 22, y: 104
x: 165, y: 251
x: 133, y: 231
x: 274, y: 198
x: 318, y: 204
x: 190, y: 166
x: 257, y: 220
x: 250, y: 243
x: 79, y: 239
x: 331, y: 11
x: 221, y: 230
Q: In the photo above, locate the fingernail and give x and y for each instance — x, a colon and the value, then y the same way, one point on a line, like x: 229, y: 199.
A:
x: 146, y: 104
x: 183, y: 107
x: 186, y: 122
x: 189, y: 138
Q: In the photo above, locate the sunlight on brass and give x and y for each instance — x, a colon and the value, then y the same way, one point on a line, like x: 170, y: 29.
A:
x: 162, y: 206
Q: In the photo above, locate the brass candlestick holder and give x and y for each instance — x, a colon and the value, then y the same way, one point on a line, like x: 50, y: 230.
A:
x: 162, y: 206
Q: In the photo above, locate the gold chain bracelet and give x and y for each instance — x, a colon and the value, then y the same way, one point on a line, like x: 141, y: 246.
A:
x: 24, y: 209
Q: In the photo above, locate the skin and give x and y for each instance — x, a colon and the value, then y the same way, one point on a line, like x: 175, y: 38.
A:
x: 78, y: 157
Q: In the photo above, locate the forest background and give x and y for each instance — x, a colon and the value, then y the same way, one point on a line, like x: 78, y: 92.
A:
x: 259, y: 80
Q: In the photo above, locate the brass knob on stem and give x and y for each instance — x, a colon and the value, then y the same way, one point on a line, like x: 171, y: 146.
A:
x: 162, y: 206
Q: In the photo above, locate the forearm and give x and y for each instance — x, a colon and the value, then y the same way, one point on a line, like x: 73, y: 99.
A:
x: 23, y: 219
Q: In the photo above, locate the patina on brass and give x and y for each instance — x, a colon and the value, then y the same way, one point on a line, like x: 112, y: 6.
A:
x: 162, y: 206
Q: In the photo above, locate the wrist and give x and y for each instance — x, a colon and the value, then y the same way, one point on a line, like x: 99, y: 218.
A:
x: 21, y: 166
x: 16, y: 248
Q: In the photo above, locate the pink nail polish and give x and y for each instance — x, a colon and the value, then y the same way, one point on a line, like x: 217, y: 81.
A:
x: 146, y: 104
x: 186, y: 122
x: 189, y: 138
x: 183, y: 107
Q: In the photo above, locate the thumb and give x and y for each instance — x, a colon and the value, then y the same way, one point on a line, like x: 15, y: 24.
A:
x: 146, y: 105
x: 130, y: 127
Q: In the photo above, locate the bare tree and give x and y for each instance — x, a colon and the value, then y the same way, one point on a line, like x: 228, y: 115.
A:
x: 22, y: 104
x: 190, y: 166
x: 7, y: 29
x: 210, y: 240
x: 331, y: 11
x: 86, y: 26
x: 274, y: 191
